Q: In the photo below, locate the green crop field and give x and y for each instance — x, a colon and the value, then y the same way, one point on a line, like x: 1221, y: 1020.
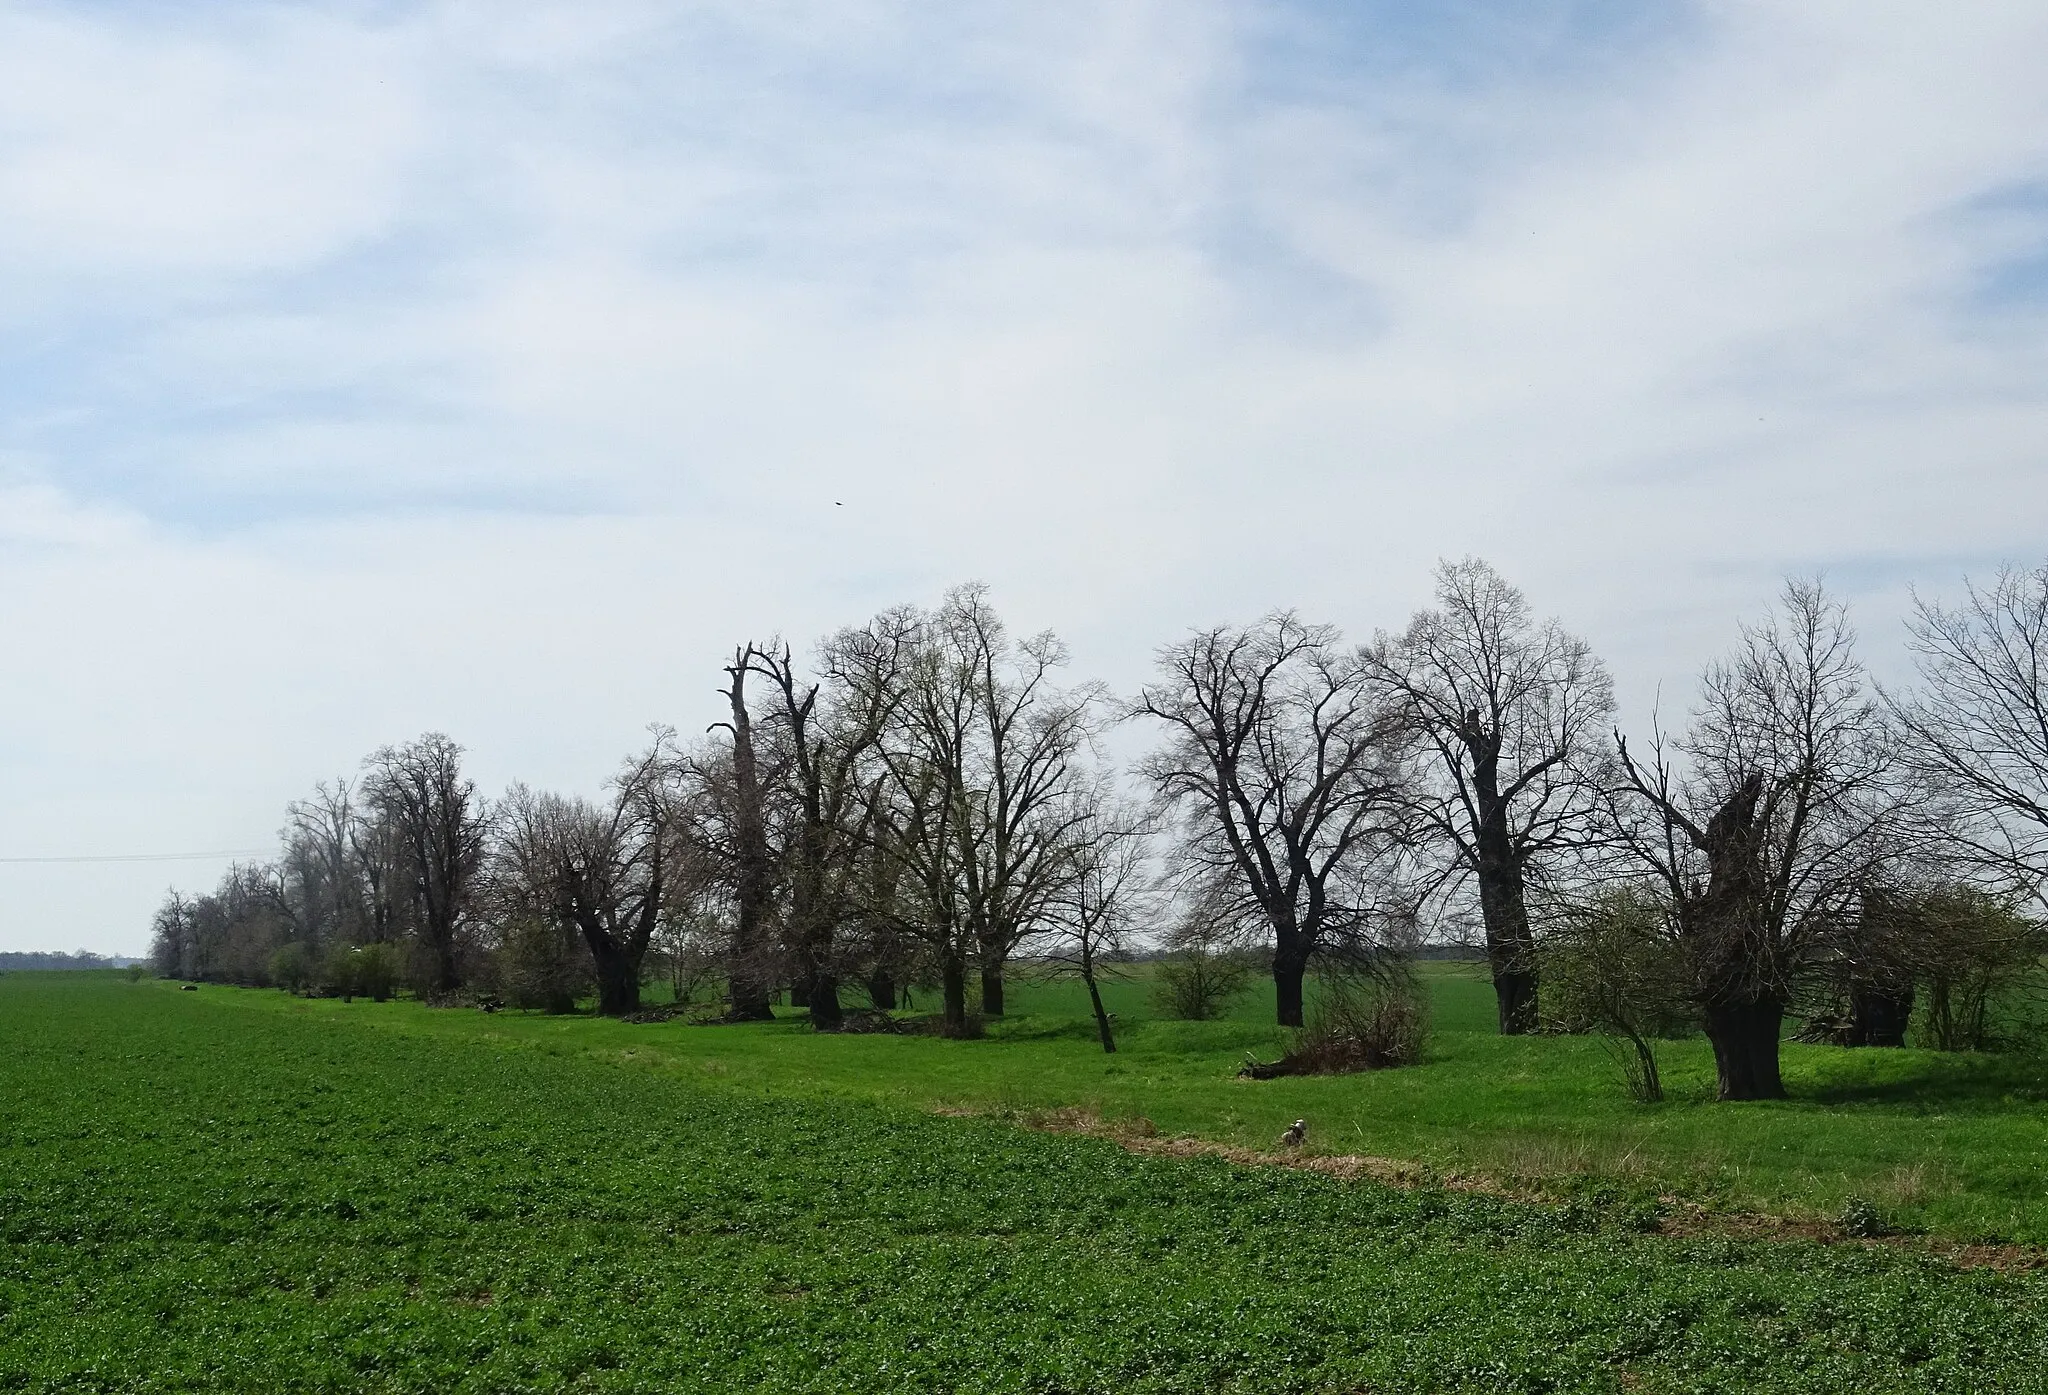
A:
x: 234, y: 1190
x: 1954, y: 1145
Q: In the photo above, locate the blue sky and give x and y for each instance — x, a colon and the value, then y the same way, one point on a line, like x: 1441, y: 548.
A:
x: 493, y: 367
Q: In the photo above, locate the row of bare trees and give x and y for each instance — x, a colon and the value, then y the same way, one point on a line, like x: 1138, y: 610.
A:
x: 925, y: 802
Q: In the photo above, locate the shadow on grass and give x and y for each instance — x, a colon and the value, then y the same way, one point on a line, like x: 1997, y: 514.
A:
x: 1969, y: 1082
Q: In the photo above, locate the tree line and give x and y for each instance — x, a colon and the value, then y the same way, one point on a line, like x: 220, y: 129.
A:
x: 923, y: 803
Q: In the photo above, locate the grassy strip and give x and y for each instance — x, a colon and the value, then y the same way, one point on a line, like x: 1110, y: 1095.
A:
x: 200, y: 1198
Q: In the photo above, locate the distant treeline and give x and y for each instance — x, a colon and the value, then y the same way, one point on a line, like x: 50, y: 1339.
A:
x: 14, y: 960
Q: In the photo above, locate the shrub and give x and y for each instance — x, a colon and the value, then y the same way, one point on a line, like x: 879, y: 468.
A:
x: 1356, y: 1023
x: 1608, y: 966
x: 338, y: 978
x: 1979, y: 962
x: 1198, y: 983
x: 291, y: 967
x: 360, y: 971
x: 536, y: 965
x: 377, y: 970
x: 1862, y: 1220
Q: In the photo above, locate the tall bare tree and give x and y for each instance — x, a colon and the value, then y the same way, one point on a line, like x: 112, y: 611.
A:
x: 1101, y: 905
x: 321, y: 866
x: 737, y: 786
x: 831, y: 727
x: 1516, y: 713
x: 614, y: 872
x: 1977, y: 731
x: 985, y: 756
x: 1779, y: 821
x: 1287, y: 772
x: 432, y: 811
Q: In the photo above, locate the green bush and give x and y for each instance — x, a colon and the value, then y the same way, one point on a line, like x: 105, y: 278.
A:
x: 360, y: 971
x: 377, y: 971
x: 291, y: 967
x: 537, y: 965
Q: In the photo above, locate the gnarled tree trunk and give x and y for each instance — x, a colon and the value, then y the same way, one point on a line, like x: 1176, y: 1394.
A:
x: 1745, y: 1037
x: 1503, y: 899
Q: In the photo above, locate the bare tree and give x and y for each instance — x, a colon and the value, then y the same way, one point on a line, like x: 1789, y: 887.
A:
x: 1516, y: 713
x: 173, y: 939
x: 322, y: 867
x: 830, y: 817
x: 981, y: 764
x: 1287, y: 774
x: 614, y: 872
x: 1019, y: 784
x: 1779, y: 822
x: 1977, y: 732
x: 737, y: 785
x: 432, y: 810
x: 1102, y: 902
x: 910, y: 887
x: 539, y: 958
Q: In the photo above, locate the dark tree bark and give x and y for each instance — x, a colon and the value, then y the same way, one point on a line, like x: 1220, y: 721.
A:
x: 826, y: 1013
x: 1288, y: 974
x: 1745, y: 1036
x: 953, y: 985
x: 882, y: 991
x: 754, y: 880
x: 1503, y: 902
x: 618, y: 984
x: 1730, y: 938
x: 1879, y: 1013
x: 991, y: 991
x: 1101, y: 1016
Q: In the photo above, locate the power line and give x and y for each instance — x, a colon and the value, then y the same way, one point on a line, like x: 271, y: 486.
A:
x: 149, y: 857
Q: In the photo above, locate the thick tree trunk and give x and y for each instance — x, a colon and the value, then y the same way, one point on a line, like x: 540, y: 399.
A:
x: 1878, y: 1016
x: 1514, y: 992
x: 1101, y: 1017
x: 1503, y: 899
x: 882, y: 991
x: 954, y: 976
x: 1745, y: 1038
x: 746, y: 986
x: 441, y: 939
x: 992, y: 992
x: 1289, y: 969
x: 618, y: 985
x: 800, y: 991
x: 446, y: 978
x: 826, y: 1014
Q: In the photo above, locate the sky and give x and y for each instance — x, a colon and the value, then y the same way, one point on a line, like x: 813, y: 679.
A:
x: 493, y: 368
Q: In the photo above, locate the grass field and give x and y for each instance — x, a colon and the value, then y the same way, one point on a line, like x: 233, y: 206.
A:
x: 234, y: 1190
x: 1953, y: 1145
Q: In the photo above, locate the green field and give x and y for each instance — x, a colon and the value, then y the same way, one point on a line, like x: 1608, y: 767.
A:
x: 1953, y: 1145
x: 234, y: 1190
